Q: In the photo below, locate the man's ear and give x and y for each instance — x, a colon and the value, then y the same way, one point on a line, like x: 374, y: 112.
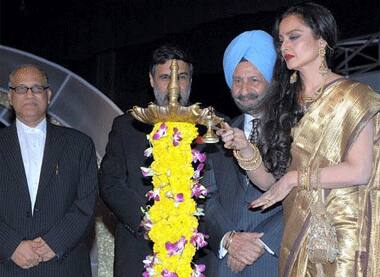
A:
x: 151, y: 80
x: 49, y: 95
x: 10, y: 98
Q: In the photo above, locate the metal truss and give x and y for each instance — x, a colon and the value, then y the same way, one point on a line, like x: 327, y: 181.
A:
x: 358, y: 55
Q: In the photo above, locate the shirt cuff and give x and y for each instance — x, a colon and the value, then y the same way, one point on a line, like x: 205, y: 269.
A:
x: 222, y: 251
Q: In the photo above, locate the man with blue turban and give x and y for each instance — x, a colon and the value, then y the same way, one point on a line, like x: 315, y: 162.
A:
x: 244, y: 242
x: 251, y: 54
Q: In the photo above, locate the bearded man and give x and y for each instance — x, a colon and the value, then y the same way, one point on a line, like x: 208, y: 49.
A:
x: 236, y: 233
x: 122, y: 186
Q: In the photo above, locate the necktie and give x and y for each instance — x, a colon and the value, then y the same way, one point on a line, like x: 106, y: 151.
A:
x: 254, y: 139
x: 254, y: 135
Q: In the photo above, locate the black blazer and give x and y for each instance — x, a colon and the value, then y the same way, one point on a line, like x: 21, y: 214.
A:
x: 123, y: 189
x: 64, y: 208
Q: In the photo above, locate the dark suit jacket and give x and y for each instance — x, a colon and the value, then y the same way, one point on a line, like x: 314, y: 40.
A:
x: 226, y: 209
x: 123, y: 189
x: 64, y: 208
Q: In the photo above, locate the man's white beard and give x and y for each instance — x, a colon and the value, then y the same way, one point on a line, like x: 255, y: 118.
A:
x: 253, y: 108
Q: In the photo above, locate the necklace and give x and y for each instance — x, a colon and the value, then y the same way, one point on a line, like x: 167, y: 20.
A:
x: 305, y: 101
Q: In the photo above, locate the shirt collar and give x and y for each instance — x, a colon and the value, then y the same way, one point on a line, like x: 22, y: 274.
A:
x: 248, y: 118
x: 247, y: 121
x: 41, y: 127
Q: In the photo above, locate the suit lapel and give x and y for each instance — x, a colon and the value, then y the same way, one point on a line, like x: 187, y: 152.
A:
x: 238, y: 122
x: 54, y: 146
x: 11, y: 152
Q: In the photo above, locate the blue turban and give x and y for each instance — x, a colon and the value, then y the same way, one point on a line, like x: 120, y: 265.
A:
x: 254, y: 46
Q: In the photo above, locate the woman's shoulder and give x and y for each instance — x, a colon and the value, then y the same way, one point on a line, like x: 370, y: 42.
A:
x: 357, y: 91
x: 360, y: 95
x: 356, y: 87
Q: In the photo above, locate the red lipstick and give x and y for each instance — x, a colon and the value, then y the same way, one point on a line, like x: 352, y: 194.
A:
x: 287, y: 57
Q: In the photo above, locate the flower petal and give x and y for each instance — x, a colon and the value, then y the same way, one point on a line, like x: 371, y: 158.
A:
x: 148, y: 152
x: 198, y: 191
x: 147, y: 171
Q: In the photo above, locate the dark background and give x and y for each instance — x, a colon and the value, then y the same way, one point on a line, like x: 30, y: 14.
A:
x: 109, y: 42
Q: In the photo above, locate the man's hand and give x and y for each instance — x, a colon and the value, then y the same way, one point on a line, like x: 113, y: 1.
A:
x: 43, y: 249
x: 234, y: 264
x: 246, y: 248
x: 25, y: 256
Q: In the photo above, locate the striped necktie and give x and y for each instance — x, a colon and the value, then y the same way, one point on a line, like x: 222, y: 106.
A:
x: 254, y: 135
x: 254, y: 139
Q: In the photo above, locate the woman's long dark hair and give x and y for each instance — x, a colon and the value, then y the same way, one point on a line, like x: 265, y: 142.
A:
x: 284, y: 111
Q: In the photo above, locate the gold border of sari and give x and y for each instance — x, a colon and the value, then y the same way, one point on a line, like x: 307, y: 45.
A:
x: 332, y: 107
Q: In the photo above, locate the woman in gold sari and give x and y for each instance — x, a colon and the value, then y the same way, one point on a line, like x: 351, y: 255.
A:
x: 320, y: 152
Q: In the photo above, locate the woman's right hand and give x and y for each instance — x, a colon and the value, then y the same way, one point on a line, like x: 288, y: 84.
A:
x: 234, y: 138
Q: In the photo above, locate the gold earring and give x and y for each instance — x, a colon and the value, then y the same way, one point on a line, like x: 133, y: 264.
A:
x: 293, y: 77
x: 323, y: 68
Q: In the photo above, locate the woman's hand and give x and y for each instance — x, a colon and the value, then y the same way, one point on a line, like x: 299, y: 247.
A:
x: 277, y: 192
x: 234, y: 138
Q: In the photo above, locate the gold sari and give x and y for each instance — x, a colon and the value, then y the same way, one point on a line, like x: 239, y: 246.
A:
x: 322, y: 138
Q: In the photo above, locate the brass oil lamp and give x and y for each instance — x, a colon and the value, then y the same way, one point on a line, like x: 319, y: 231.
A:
x: 175, y: 112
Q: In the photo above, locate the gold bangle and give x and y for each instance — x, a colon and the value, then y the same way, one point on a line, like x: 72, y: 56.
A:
x: 240, y: 158
x: 306, y: 184
x: 252, y: 165
x: 303, y: 178
x: 314, y: 179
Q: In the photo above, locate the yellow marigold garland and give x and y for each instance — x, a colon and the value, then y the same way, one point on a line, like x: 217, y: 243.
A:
x: 171, y: 222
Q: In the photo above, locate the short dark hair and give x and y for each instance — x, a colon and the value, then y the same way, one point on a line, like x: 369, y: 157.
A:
x: 168, y: 52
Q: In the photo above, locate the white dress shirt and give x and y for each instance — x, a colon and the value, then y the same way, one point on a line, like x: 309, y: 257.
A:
x: 248, y: 124
x: 32, y: 144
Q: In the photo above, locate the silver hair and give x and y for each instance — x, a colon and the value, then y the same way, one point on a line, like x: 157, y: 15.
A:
x: 23, y: 66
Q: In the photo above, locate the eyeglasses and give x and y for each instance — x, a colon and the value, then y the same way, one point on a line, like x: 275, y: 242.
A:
x: 36, y: 89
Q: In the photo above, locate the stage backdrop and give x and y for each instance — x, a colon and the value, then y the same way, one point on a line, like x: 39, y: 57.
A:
x: 77, y: 104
